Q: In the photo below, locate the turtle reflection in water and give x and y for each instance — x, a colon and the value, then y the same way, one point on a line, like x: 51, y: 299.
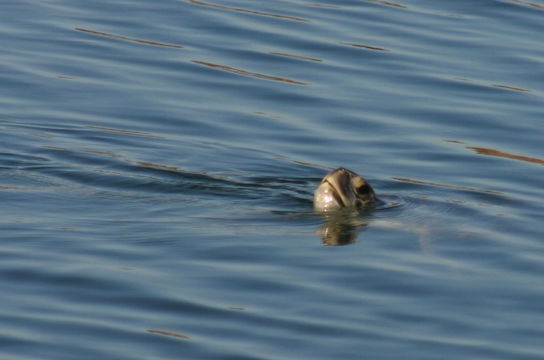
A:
x: 339, y: 197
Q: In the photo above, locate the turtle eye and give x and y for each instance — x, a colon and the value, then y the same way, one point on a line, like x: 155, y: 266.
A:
x: 363, y: 189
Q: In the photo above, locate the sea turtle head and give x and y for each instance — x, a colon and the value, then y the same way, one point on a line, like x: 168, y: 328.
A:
x: 343, y: 189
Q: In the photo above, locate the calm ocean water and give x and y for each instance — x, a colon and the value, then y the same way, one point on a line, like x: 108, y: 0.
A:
x: 158, y: 160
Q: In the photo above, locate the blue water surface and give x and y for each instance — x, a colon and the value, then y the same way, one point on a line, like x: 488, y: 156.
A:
x: 158, y: 162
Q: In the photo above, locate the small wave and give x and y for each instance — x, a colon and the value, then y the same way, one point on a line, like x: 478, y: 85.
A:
x: 249, y: 73
x: 254, y: 12
x: 121, y: 37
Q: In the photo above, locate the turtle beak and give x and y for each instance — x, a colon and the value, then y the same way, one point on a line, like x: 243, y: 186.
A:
x: 337, y: 195
x: 340, y: 182
x: 334, y: 191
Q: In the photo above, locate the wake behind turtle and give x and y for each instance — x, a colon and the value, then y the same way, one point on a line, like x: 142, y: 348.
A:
x: 349, y: 204
x: 346, y: 201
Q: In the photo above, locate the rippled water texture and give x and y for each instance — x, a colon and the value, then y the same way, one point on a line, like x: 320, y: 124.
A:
x: 158, y: 160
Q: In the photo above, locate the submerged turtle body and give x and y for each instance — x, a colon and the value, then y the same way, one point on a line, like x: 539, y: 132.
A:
x: 343, y: 189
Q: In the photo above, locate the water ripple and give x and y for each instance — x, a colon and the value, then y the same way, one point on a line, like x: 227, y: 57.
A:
x: 255, y: 12
x: 249, y: 73
x: 120, y: 37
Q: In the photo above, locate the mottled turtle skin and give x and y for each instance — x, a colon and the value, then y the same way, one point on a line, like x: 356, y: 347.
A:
x: 343, y: 189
